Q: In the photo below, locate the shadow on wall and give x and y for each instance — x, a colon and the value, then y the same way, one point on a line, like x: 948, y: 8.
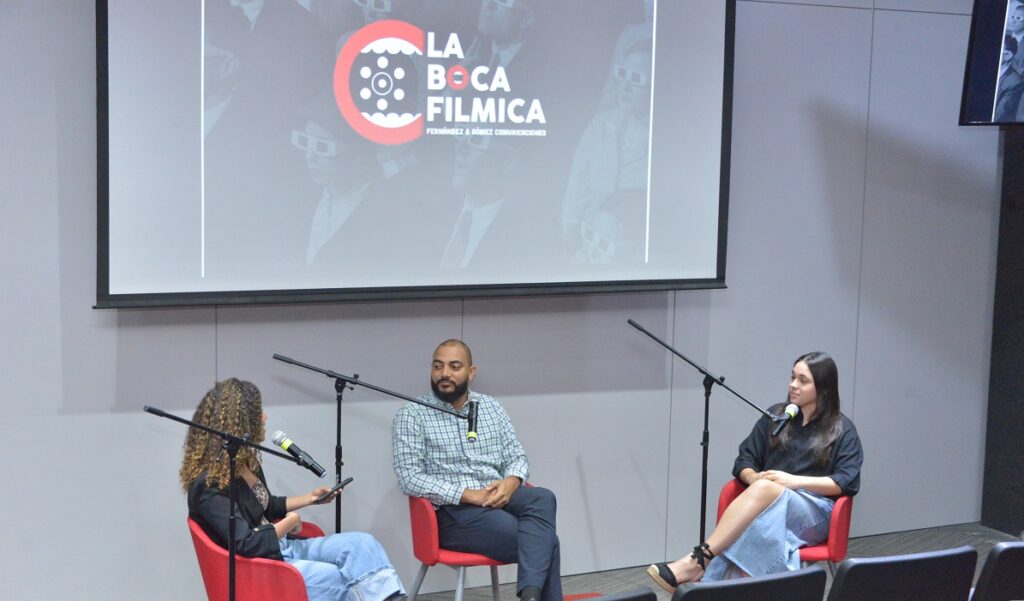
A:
x: 569, y: 344
x: 916, y: 182
x: 596, y: 493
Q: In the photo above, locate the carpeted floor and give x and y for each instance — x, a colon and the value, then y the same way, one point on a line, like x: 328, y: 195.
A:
x: 897, y: 543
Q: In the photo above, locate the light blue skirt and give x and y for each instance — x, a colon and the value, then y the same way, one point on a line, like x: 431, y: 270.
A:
x: 771, y: 543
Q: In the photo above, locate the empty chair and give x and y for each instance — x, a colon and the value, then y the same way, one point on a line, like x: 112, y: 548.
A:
x: 935, y: 576
x: 1002, y: 578
x: 807, y: 584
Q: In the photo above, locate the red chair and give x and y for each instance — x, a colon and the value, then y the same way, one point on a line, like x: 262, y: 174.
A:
x: 256, y: 579
x: 427, y: 548
x: 832, y: 550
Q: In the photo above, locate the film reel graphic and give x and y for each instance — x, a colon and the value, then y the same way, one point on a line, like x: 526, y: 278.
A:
x: 376, y: 84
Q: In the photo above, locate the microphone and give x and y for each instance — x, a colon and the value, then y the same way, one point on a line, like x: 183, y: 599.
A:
x: 293, y: 449
x: 471, y: 433
x: 788, y: 414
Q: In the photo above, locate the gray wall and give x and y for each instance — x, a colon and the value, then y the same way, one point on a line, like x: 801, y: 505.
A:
x: 862, y: 222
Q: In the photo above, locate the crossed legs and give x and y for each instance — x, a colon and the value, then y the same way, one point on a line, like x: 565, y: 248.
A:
x: 522, y: 532
x: 747, y: 506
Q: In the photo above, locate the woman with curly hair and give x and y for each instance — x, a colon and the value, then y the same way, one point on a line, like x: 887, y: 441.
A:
x: 792, y: 483
x: 349, y: 565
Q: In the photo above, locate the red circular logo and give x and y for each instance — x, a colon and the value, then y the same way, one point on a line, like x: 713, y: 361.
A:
x: 375, y: 84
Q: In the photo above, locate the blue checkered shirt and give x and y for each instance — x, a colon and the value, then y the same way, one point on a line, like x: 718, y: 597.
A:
x: 434, y: 460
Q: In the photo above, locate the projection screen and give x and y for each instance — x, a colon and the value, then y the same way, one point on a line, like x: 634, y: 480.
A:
x: 313, y: 150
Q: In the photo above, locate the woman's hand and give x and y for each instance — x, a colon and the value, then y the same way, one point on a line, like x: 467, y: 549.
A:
x: 748, y: 476
x: 315, y: 494
x: 291, y: 523
x: 297, y: 502
x: 783, y: 478
x: 298, y: 522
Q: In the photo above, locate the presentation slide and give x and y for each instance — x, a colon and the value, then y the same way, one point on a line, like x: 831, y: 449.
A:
x: 422, y: 146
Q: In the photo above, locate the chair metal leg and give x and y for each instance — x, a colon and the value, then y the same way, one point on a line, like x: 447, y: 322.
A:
x: 831, y: 566
x: 460, y: 585
x: 419, y: 580
x: 494, y: 583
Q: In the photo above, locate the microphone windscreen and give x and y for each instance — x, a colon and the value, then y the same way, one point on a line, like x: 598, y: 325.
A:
x: 279, y: 437
x: 791, y: 410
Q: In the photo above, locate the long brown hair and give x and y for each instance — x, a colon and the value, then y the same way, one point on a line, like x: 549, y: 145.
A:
x: 236, y: 407
x: 827, y: 422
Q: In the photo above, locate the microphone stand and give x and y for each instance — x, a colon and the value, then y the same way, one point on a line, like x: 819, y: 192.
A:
x: 341, y: 382
x: 232, y: 444
x: 709, y: 381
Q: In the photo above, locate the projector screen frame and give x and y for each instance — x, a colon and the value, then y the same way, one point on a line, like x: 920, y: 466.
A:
x: 106, y: 300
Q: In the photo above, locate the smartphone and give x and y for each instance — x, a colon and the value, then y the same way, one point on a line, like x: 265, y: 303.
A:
x: 335, y: 488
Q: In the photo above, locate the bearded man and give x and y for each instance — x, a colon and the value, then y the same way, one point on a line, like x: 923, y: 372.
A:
x: 476, y: 485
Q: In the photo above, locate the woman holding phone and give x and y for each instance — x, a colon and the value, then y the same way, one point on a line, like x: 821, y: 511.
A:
x: 348, y: 565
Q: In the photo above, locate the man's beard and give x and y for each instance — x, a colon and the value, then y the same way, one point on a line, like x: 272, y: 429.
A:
x: 454, y: 395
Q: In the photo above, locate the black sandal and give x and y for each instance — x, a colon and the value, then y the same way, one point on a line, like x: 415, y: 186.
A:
x: 702, y: 554
x: 660, y: 573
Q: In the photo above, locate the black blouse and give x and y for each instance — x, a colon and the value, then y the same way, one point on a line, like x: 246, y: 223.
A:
x: 210, y: 507
x: 796, y: 458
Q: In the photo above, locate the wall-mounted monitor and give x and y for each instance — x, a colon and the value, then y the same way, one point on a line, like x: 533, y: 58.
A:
x: 994, y: 76
x: 313, y: 150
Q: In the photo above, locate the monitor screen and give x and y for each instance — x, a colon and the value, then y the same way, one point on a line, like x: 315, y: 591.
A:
x: 297, y: 150
x: 994, y: 77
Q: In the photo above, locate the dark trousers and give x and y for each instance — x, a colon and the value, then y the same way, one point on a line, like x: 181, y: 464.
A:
x: 522, y: 532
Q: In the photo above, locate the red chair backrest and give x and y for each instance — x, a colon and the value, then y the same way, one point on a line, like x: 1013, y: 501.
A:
x: 256, y: 579
x: 425, y: 542
x: 839, y: 527
x: 730, y: 491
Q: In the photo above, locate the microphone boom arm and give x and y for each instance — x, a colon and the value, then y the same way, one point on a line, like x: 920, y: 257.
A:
x: 355, y: 380
x: 231, y: 438
x: 707, y: 375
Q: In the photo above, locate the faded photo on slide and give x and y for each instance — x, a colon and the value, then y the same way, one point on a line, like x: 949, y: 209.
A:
x: 264, y: 61
x: 531, y: 146
x: 604, y: 211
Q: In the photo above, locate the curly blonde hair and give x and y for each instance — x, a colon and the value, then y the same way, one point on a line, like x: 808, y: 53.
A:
x: 236, y: 407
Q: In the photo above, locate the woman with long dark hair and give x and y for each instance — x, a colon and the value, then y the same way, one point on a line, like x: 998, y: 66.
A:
x: 792, y: 482
x: 349, y: 565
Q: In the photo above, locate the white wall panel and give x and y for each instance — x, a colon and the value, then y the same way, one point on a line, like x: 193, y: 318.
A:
x: 960, y: 7
x: 926, y: 295
x: 30, y: 273
x: 833, y: 3
x: 799, y: 123
x: 589, y: 397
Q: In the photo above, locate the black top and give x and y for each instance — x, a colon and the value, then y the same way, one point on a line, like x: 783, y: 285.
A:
x: 210, y: 507
x: 797, y: 459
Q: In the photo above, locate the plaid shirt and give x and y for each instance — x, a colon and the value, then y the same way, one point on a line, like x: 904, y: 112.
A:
x: 434, y: 460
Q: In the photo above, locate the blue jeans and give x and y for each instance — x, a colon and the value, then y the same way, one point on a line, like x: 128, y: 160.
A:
x: 350, y: 566
x: 522, y: 532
